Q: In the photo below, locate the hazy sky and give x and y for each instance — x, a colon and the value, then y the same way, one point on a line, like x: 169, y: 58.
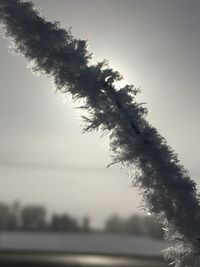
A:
x: 45, y: 159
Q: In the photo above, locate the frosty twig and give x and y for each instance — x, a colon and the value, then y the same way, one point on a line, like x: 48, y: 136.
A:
x: 166, y: 186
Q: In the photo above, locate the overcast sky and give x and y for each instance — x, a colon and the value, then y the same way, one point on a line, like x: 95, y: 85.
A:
x: 45, y: 159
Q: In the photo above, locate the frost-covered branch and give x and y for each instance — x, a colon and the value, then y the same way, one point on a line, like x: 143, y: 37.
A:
x: 167, y: 188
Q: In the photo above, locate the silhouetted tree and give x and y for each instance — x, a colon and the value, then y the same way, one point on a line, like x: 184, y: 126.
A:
x: 86, y: 224
x: 33, y: 218
x: 15, y: 209
x: 8, y: 220
x: 63, y: 223
x: 4, y: 213
x: 114, y: 224
x: 135, y: 225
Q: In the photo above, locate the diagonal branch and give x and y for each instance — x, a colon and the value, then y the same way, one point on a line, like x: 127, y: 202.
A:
x: 166, y: 186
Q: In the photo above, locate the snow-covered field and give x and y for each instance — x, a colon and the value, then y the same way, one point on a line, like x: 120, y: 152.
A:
x: 82, y: 243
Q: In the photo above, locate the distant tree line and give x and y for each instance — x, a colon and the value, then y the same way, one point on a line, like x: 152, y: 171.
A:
x: 136, y: 225
x: 14, y: 217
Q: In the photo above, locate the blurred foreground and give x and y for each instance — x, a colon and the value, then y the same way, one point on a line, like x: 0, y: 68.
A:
x: 61, y: 260
x: 30, y: 238
x: 79, y: 249
x: 95, y: 243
